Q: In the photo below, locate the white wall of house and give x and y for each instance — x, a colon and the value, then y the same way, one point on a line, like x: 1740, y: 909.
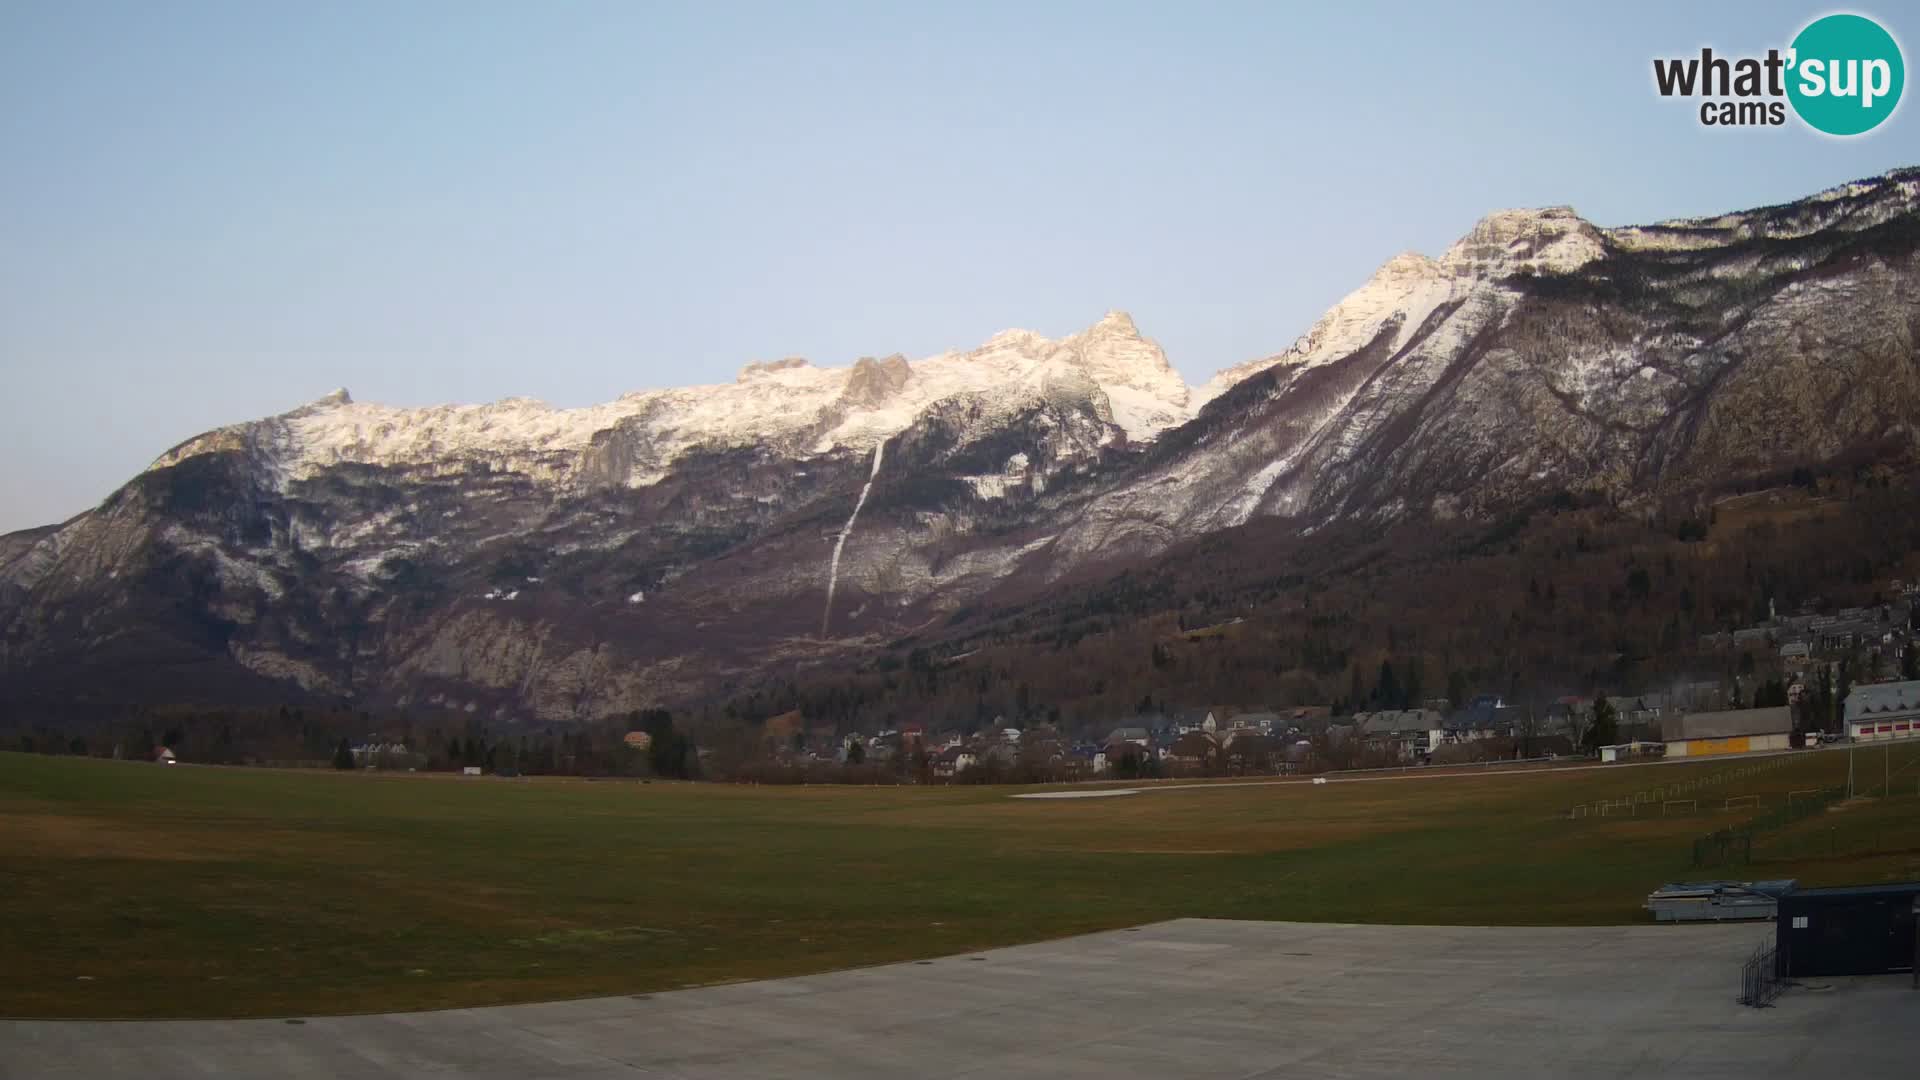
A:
x: 1875, y: 730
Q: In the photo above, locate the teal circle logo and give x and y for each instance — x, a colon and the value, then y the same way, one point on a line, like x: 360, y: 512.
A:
x: 1846, y: 75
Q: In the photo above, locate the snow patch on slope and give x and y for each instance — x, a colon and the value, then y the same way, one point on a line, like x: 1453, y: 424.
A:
x: 840, y: 544
x: 1408, y: 288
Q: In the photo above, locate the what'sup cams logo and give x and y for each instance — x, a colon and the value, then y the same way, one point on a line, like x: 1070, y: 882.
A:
x: 1842, y: 75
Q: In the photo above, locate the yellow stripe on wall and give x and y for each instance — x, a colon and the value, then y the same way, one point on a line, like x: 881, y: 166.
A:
x: 1736, y: 745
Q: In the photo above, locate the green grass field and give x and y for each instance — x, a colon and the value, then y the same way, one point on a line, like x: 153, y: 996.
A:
x: 135, y: 890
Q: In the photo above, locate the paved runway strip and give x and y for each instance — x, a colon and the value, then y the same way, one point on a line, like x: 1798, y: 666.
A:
x: 1190, y: 998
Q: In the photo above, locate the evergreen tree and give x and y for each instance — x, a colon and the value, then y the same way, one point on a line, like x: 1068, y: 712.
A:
x: 1605, y: 730
x: 670, y: 753
x: 1839, y: 704
x: 1388, y: 692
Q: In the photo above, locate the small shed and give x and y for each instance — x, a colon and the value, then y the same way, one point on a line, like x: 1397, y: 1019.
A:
x: 1851, y: 930
x: 1633, y: 751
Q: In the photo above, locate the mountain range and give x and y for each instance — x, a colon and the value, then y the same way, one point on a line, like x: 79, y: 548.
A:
x: 513, y: 561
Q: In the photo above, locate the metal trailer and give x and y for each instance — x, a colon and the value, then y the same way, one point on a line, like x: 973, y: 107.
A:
x: 1852, y: 930
x: 1716, y: 901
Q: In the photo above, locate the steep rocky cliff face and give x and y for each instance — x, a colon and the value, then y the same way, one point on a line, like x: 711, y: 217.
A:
x: 1540, y: 354
x: 517, y: 560
x: 521, y: 562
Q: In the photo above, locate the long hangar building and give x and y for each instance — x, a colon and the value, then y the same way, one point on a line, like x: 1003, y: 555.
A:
x: 1736, y: 731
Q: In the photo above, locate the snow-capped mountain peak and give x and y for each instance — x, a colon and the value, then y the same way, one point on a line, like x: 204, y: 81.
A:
x: 1507, y: 242
x: 788, y: 402
x: 1147, y: 395
x: 1408, y: 288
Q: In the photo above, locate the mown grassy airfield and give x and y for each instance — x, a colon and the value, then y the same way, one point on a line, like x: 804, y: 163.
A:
x: 136, y: 890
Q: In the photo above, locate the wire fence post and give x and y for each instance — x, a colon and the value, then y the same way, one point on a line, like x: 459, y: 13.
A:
x: 1760, y: 977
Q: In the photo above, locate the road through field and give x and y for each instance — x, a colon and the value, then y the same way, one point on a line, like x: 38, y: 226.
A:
x: 1482, y: 771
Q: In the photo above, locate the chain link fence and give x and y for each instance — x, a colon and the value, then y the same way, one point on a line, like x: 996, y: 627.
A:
x: 1733, y: 846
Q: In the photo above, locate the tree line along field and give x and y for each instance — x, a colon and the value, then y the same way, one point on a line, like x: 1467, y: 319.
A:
x: 1565, y: 596
x: 139, y: 890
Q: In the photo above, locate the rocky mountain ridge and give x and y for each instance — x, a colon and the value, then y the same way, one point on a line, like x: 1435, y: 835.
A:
x: 524, y: 563
x: 790, y: 405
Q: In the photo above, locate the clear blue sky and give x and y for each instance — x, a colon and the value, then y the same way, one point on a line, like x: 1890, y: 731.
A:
x: 215, y: 211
